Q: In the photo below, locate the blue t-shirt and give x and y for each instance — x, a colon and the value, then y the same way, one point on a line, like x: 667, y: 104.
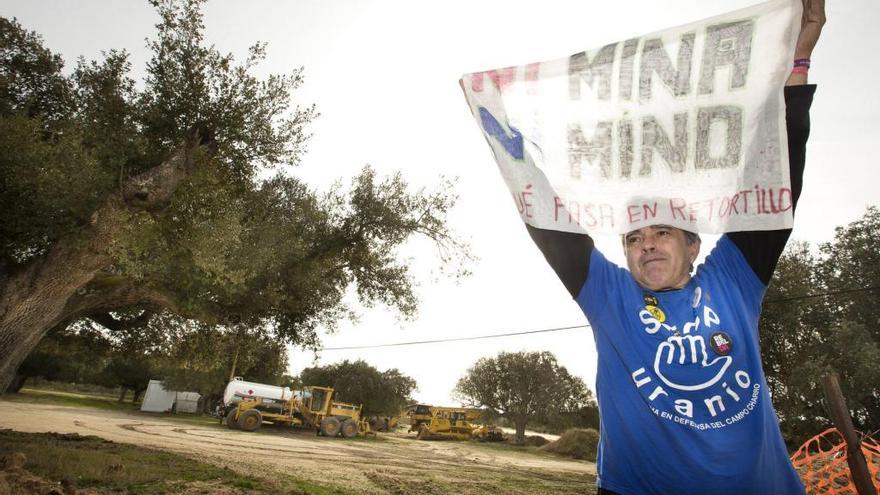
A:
x: 683, y: 398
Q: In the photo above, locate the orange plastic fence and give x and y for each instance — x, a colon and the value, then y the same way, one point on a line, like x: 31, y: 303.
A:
x: 821, y: 463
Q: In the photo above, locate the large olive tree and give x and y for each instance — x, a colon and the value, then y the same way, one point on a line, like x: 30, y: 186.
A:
x: 523, y: 387
x: 121, y: 201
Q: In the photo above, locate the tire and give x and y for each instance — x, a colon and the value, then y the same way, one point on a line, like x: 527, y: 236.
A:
x: 230, y: 419
x: 349, y: 428
x: 330, y: 426
x: 250, y: 420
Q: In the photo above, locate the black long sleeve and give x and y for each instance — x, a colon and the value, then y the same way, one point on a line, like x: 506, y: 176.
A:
x: 567, y: 253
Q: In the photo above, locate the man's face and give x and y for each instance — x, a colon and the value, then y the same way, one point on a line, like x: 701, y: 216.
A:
x: 659, y: 256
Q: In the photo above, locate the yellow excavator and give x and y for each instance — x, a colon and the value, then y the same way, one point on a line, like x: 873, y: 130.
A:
x: 312, y: 407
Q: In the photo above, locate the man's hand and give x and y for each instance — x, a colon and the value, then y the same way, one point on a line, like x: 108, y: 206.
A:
x: 812, y: 21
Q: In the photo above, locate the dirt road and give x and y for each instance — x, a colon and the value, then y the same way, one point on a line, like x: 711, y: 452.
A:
x: 393, y: 464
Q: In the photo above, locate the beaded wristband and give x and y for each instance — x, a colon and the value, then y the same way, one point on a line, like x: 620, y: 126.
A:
x: 800, y: 69
x: 802, y: 62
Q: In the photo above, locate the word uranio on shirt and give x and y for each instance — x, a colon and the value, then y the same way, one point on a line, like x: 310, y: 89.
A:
x: 689, y: 346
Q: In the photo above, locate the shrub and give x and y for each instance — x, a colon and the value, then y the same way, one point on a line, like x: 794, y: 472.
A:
x: 576, y: 442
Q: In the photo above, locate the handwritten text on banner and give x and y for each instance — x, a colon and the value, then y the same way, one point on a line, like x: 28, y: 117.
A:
x: 683, y: 127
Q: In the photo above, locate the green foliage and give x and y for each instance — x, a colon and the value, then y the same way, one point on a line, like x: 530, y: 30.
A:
x: 852, y: 260
x: 803, y: 339
x: 380, y: 392
x: 185, y: 355
x: 69, y: 355
x: 129, y: 373
x: 200, y: 357
x: 46, y: 189
x: 191, y: 84
x: 51, y: 181
x: 523, y: 387
x: 31, y: 83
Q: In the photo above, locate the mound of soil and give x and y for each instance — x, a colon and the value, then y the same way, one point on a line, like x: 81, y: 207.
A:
x: 577, y: 443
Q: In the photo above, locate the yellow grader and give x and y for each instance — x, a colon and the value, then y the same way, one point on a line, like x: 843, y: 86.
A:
x: 457, y: 423
x: 312, y: 407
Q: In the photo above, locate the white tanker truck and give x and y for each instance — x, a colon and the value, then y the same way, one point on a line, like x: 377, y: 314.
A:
x: 247, y: 404
x: 238, y: 390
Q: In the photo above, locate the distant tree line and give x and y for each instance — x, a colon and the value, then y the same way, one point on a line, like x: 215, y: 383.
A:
x: 380, y: 392
x: 186, y: 356
x: 199, y: 358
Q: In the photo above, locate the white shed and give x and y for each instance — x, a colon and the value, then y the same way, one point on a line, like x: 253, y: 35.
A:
x: 157, y: 399
x: 187, y: 402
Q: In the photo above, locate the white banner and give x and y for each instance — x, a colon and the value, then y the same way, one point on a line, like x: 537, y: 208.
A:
x: 684, y: 127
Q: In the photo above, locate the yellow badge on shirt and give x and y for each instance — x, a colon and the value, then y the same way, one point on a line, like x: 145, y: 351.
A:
x: 657, y: 313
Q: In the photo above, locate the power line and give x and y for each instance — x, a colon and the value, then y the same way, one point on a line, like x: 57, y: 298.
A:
x: 459, y: 339
x: 822, y: 294
x: 558, y: 329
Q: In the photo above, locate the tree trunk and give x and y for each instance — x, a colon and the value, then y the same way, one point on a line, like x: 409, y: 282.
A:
x: 520, y: 424
x: 137, y: 394
x: 33, y: 300
x: 122, y: 392
x: 17, y: 383
x: 54, y: 288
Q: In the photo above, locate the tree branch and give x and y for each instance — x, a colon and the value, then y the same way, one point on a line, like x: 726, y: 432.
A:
x: 153, y: 188
x: 101, y: 298
x: 108, y: 321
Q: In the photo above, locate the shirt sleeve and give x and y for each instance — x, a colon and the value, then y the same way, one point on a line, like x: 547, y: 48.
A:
x: 567, y: 253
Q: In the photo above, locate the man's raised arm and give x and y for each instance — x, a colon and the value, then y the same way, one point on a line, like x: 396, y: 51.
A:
x: 567, y: 253
x: 762, y: 249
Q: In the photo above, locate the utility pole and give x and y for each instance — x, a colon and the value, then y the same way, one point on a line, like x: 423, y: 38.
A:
x: 234, y: 363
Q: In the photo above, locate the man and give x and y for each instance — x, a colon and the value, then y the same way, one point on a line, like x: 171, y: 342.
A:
x: 683, y: 400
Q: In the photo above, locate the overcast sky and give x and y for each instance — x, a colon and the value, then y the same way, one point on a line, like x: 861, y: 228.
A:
x: 384, y: 76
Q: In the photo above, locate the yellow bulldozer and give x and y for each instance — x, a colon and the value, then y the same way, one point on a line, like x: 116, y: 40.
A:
x: 457, y: 423
x: 383, y: 423
x: 312, y: 407
x: 418, y: 414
